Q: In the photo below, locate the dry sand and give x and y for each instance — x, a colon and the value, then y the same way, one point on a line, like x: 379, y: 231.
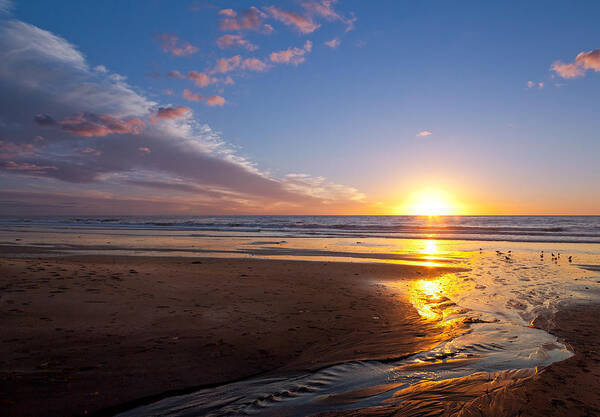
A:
x: 89, y: 334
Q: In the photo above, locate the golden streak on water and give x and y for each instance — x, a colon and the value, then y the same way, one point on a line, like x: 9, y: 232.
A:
x: 433, y: 298
x: 424, y: 296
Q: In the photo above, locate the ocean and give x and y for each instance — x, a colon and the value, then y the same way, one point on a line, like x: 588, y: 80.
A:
x: 565, y: 229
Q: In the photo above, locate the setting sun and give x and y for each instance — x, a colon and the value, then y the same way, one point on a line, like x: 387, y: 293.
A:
x: 429, y: 203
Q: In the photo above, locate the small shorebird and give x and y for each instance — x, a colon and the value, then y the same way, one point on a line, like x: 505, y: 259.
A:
x: 570, y: 259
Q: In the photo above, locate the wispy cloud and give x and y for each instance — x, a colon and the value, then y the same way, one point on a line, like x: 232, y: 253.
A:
x: 424, y: 133
x: 228, y: 12
x: 224, y: 65
x: 254, y: 64
x: 174, y: 74
x: 25, y: 166
x: 583, y: 61
x: 229, y: 41
x: 211, y: 100
x: 249, y: 19
x: 303, y: 24
x: 89, y: 150
x: 10, y: 149
x: 321, y: 189
x: 6, y: 6
x: 292, y: 56
x: 90, y: 124
x: 324, y: 9
x: 334, y: 43
x: 531, y: 84
x: 201, y: 79
x: 215, y: 100
x: 171, y: 113
x: 171, y: 44
x: 189, y: 95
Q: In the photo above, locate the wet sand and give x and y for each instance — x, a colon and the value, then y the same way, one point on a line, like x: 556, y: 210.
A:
x: 93, y: 334
x: 566, y: 388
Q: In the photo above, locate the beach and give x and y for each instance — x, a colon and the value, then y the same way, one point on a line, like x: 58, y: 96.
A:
x: 135, y: 320
x: 96, y: 334
x: 299, y: 208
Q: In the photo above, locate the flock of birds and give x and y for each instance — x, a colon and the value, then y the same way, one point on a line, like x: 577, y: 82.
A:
x: 508, y: 255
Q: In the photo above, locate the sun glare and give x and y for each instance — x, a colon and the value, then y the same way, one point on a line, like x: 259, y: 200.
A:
x: 430, y: 203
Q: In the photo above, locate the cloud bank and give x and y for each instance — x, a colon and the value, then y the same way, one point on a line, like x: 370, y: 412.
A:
x: 78, y: 138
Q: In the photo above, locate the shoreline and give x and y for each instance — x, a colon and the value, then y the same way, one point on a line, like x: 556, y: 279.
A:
x: 79, y: 327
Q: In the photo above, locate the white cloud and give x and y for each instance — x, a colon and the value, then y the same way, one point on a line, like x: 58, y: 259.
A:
x: 6, y: 6
x: 322, y: 189
x: 25, y: 41
x: 424, y: 133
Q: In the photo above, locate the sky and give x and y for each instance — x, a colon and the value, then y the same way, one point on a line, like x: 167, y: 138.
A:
x: 299, y: 107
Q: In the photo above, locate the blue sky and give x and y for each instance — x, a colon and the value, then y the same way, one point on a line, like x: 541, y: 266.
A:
x: 323, y: 129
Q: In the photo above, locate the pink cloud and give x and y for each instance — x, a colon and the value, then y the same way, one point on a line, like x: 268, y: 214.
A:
x: 254, y: 64
x: 171, y: 113
x: 228, y: 80
x: 201, y: 79
x: 301, y: 23
x: 531, y: 84
x: 168, y: 92
x: 14, y: 166
x: 90, y: 151
x: 228, y: 41
x: 292, y: 56
x: 188, y: 95
x: 583, y: 61
x: 144, y: 149
x: 568, y: 70
x: 249, y: 19
x: 213, y: 101
x: 228, y: 12
x: 90, y: 124
x: 227, y: 64
x: 324, y: 9
x: 424, y: 133
x: 171, y: 44
x: 334, y: 43
x: 9, y: 149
